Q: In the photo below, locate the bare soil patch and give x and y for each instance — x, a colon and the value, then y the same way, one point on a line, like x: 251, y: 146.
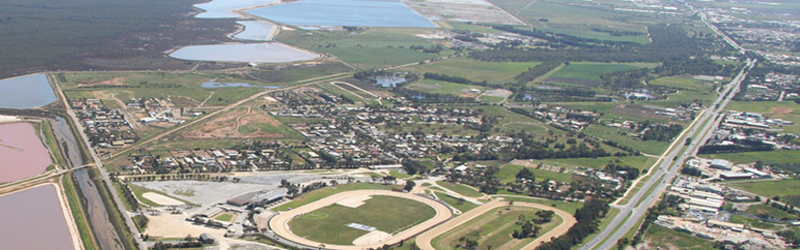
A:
x: 372, y: 238
x: 354, y: 201
x: 781, y: 110
x: 228, y: 124
x: 161, y: 199
x: 463, y: 11
x: 499, y: 93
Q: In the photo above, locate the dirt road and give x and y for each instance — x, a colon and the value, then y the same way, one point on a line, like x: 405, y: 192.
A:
x: 280, y: 223
x: 424, y: 240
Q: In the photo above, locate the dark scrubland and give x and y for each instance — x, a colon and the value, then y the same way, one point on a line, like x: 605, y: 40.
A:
x: 48, y: 35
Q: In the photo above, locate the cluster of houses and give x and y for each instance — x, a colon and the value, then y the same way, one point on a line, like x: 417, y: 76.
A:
x: 773, y: 87
x: 747, y: 129
x: 158, y: 110
x: 564, y: 117
x: 106, y: 128
x: 208, y: 160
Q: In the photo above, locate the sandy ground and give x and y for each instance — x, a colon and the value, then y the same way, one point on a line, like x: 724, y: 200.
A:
x: 354, y: 201
x: 228, y: 124
x: 280, y: 223
x: 161, y: 199
x: 464, y: 10
x: 499, y: 93
x: 372, y: 238
x: 424, y: 239
x: 9, y: 119
x: 73, y: 227
x: 175, y: 226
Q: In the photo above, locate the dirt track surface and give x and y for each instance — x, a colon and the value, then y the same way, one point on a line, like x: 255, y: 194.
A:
x: 424, y: 240
x: 280, y: 223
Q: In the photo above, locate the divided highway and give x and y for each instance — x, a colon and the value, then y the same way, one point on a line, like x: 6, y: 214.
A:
x: 673, y: 159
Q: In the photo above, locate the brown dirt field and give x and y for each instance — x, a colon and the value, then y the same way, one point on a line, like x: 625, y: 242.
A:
x: 781, y: 110
x: 228, y: 124
x: 116, y: 81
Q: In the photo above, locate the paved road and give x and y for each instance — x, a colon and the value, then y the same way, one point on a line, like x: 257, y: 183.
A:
x: 672, y: 162
x: 280, y: 223
x: 424, y: 240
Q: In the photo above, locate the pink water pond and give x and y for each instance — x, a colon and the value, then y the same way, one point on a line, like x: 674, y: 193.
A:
x: 22, y: 153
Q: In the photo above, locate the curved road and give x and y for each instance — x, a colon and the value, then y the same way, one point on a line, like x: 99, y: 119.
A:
x: 280, y: 223
x: 424, y: 240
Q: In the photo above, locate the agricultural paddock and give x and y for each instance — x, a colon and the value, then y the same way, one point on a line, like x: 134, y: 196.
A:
x: 475, y: 70
x: 588, y: 74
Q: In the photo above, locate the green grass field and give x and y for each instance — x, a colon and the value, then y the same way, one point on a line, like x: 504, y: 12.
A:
x: 771, y: 188
x: 762, y: 209
x: 464, y: 207
x: 508, y: 172
x: 442, y: 87
x: 527, y: 127
x: 574, y: 20
x: 592, y: 71
x: 493, y: 72
x: 84, y: 228
x: 690, y: 90
x: 328, y: 191
x: 229, y: 217
x: 569, y: 207
x: 613, y: 134
x: 372, y: 49
x: 666, y: 238
x: 386, y: 213
x: 753, y: 222
x: 461, y: 189
x: 493, y: 229
x: 510, y: 121
x: 398, y: 174
x: 52, y: 144
x: 158, y: 85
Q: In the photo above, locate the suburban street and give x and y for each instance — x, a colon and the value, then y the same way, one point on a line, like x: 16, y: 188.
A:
x: 672, y: 160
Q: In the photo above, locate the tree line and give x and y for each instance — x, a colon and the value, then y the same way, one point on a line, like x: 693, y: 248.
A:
x: 588, y: 218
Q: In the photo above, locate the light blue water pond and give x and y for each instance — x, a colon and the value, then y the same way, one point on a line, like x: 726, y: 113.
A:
x: 248, y: 53
x: 223, y: 8
x: 216, y: 85
x: 370, y: 13
x: 26, y: 92
x: 256, y: 30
